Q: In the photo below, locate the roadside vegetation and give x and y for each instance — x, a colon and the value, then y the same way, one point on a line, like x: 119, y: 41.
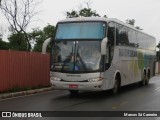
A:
x: 20, y: 14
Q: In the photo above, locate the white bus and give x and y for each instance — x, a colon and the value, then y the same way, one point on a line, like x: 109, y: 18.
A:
x: 95, y: 54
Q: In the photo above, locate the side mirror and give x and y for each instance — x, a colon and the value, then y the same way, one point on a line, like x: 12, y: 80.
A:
x: 103, y: 46
x: 45, y: 44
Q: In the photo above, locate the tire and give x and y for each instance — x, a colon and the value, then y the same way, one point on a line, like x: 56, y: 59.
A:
x: 115, y: 88
x: 73, y: 92
x: 144, y: 80
x: 148, y: 77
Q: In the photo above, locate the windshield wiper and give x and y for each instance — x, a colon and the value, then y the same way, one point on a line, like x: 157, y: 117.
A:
x: 80, y: 59
x: 75, y: 55
x: 67, y: 60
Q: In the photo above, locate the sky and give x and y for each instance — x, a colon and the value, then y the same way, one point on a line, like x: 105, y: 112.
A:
x: 145, y: 12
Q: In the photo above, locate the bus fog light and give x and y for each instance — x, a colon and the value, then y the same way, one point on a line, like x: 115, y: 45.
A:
x: 95, y: 79
x: 55, y: 78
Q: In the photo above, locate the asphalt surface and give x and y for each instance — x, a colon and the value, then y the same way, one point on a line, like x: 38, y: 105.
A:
x: 130, y: 98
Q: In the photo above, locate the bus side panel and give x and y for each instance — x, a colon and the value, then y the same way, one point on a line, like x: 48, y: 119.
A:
x: 131, y: 63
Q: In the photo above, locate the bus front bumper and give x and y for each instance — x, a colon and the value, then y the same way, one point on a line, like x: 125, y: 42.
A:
x: 86, y: 86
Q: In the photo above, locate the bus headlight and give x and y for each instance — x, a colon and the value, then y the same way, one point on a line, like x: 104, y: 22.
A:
x: 55, y: 78
x: 95, y: 79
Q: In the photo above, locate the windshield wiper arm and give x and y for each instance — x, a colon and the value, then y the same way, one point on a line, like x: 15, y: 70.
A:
x: 67, y: 60
x: 77, y: 55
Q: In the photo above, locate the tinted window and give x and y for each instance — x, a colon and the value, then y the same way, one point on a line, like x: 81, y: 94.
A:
x: 121, y: 35
x: 111, y: 32
x: 145, y: 41
x: 82, y: 30
x: 132, y: 38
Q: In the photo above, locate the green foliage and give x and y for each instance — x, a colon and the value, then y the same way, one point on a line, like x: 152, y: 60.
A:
x: 83, y: 12
x: 132, y: 22
x: 88, y: 12
x: 26, y: 88
x: 19, y: 14
x: 39, y: 36
x: 72, y: 14
x: 17, y: 42
x: 137, y: 27
x: 49, y: 31
x: 4, y: 45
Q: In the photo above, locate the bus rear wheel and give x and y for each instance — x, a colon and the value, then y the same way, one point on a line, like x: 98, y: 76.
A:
x: 144, y: 79
x: 148, y: 77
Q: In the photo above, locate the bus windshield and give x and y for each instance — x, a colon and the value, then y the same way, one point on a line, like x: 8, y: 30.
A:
x: 76, y: 56
x: 80, y: 30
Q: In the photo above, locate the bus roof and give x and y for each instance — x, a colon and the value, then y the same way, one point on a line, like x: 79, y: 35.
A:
x: 78, y: 19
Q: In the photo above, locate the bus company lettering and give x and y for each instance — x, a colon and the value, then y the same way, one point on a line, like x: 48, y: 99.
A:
x: 127, y: 53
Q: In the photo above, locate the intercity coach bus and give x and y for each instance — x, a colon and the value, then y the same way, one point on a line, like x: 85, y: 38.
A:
x: 95, y: 54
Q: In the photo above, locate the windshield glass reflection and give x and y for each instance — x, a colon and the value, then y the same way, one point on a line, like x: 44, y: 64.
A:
x: 76, y: 56
x: 80, y: 30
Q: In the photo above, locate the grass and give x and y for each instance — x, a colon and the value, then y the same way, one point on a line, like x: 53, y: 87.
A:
x: 19, y: 89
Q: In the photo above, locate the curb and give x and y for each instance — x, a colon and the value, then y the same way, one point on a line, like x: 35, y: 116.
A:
x: 22, y: 93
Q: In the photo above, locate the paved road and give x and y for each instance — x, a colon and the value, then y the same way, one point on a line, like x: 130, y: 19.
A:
x: 131, y: 98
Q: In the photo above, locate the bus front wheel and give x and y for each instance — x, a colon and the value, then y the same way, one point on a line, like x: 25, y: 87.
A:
x: 144, y: 79
x: 115, y: 87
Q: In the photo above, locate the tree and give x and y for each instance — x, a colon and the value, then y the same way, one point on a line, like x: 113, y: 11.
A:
x: 1, y: 32
x: 132, y: 22
x: 39, y: 36
x: 72, y: 14
x: 18, y: 42
x: 19, y: 14
x: 1, y: 35
x: 88, y: 12
x: 83, y: 12
x: 4, y: 45
x: 138, y: 28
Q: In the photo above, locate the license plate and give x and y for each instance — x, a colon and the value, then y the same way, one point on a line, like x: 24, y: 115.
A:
x: 73, y: 86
